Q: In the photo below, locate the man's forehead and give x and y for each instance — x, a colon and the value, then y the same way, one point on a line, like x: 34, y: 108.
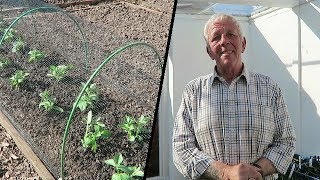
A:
x: 218, y: 24
x: 222, y: 24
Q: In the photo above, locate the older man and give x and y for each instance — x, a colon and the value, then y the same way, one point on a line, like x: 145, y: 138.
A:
x: 232, y: 124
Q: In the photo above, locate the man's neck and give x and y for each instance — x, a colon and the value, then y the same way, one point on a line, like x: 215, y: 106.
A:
x: 230, y: 73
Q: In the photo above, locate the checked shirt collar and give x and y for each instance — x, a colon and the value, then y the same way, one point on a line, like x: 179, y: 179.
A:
x: 216, y: 78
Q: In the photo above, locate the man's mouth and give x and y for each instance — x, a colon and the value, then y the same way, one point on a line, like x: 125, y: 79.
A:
x: 226, y: 52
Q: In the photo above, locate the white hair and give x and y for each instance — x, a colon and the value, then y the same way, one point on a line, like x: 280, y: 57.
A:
x: 220, y: 17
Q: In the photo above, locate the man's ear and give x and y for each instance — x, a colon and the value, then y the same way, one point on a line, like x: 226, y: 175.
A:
x: 244, y: 44
x: 209, y: 52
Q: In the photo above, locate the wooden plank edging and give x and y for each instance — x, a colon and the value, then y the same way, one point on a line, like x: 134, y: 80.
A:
x: 39, y: 167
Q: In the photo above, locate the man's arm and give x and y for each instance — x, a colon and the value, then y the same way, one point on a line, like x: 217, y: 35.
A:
x: 266, y: 166
x: 214, y: 171
x: 278, y: 156
x: 220, y: 171
x: 187, y: 157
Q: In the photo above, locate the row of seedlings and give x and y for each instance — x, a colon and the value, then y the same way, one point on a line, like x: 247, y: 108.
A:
x: 19, y: 46
x: 95, y: 129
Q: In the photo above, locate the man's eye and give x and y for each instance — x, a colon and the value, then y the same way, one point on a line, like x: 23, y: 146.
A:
x: 216, y: 38
x: 230, y: 35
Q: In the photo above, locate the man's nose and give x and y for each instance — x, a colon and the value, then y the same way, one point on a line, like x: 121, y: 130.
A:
x: 224, y: 39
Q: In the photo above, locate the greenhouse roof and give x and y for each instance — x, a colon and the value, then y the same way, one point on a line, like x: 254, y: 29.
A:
x: 234, y: 7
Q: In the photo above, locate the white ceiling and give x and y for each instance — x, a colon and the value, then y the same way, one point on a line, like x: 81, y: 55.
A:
x: 196, y: 6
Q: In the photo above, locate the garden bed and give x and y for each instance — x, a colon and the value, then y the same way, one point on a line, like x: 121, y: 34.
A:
x: 128, y: 85
x: 12, y: 162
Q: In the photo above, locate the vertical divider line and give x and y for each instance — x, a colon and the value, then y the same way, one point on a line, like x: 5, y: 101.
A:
x: 300, y: 80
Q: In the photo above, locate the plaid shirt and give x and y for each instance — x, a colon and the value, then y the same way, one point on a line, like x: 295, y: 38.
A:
x: 236, y: 123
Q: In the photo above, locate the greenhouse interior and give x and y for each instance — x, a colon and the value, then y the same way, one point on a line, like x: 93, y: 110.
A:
x: 282, y: 41
x: 79, y: 83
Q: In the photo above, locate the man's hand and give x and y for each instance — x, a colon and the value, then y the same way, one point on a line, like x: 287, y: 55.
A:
x: 267, y: 166
x: 219, y: 170
x: 242, y: 172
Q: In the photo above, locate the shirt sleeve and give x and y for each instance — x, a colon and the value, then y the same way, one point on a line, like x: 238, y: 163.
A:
x: 187, y: 157
x: 281, y: 151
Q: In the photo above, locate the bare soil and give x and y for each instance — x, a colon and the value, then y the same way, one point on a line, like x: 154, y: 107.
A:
x: 127, y: 86
x: 12, y: 161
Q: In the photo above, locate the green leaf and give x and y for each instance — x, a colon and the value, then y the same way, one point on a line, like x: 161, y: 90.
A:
x: 136, y: 171
x: 58, y: 72
x: 57, y: 108
x: 143, y: 120
x: 10, y: 35
x: 94, y: 146
x: 105, y: 134
x: 88, y: 97
x: 95, y: 135
x: 131, y: 127
x: 82, y: 105
x: 18, y: 46
x: 129, y: 119
x: 88, y: 139
x: 127, y: 127
x: 41, y: 104
x: 111, y: 162
x: 132, y: 138
x: 5, y: 62
x: 139, y: 137
x: 93, y: 97
x: 35, y: 55
x: 120, y: 176
x: 48, y: 103
x: 89, y: 117
x: 124, y: 169
x: 98, y: 123
x: 97, y: 128
x: 118, y: 159
x: 17, y: 79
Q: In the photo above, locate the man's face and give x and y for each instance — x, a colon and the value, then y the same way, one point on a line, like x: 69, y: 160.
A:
x: 225, y: 44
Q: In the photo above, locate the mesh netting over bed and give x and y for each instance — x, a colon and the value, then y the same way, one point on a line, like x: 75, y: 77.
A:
x: 46, y: 58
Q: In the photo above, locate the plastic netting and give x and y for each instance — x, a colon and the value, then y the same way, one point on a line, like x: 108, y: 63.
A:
x: 46, y: 58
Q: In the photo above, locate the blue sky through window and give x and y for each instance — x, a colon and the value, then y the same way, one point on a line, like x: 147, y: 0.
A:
x: 241, y: 10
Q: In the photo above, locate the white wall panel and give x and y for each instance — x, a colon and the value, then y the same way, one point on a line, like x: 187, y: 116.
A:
x: 310, y: 43
x: 275, y: 52
x: 273, y: 48
x: 275, y: 44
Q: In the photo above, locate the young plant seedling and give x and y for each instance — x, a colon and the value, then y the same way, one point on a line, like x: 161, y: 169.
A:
x: 94, y: 131
x: 123, y: 172
x: 48, y: 102
x: 35, y: 56
x: 59, y: 72
x: 88, y: 97
x: 10, y: 35
x: 18, y: 46
x: 18, y: 78
x: 4, y: 63
x: 134, y: 128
